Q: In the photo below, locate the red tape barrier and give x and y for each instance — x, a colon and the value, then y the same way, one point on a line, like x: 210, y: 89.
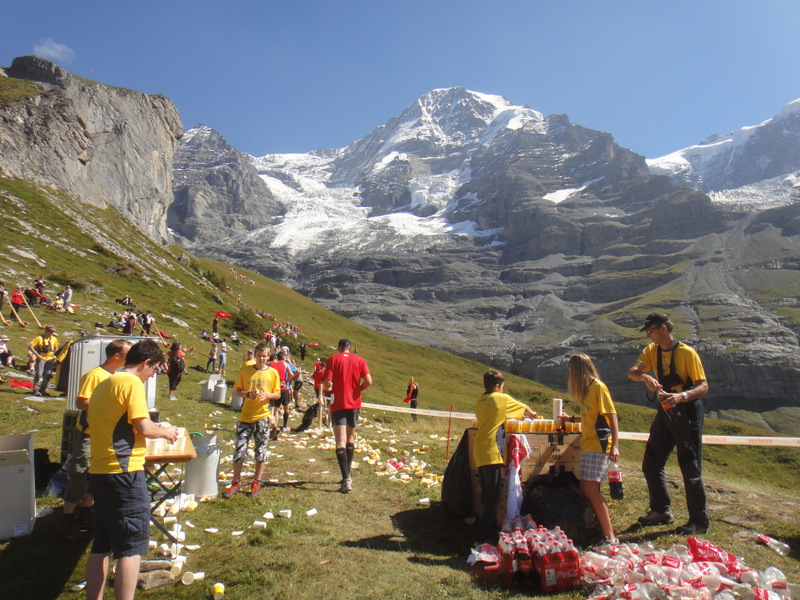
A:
x: 729, y: 440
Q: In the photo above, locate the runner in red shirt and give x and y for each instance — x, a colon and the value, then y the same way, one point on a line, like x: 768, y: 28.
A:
x: 347, y: 375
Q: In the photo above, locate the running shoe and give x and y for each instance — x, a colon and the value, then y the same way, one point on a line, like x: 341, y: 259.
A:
x: 233, y: 489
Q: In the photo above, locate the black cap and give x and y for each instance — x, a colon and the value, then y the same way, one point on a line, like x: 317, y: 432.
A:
x: 655, y: 318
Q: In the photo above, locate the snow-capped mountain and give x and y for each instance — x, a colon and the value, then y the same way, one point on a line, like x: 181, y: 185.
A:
x: 481, y: 227
x: 758, y: 165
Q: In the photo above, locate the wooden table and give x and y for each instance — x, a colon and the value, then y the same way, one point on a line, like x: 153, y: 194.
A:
x: 159, y: 456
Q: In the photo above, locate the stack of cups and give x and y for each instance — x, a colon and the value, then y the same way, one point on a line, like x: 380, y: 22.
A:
x: 558, y: 408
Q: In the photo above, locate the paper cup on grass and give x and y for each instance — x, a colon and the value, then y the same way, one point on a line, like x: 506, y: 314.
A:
x: 218, y: 591
x: 189, y: 577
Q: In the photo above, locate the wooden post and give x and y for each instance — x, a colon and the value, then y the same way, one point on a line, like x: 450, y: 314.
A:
x: 449, y: 432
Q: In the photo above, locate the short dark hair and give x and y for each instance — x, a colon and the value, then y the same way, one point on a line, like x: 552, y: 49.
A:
x: 260, y: 347
x: 116, y: 347
x: 345, y: 343
x: 281, y: 355
x: 144, y: 350
x: 492, y: 378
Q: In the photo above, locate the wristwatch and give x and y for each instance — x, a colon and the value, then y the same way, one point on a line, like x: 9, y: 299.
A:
x: 685, y: 396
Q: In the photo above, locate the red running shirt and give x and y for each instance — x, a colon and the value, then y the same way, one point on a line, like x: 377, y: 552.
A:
x: 346, y: 371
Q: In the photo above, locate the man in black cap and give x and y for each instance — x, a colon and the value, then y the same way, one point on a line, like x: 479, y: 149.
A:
x: 679, y: 382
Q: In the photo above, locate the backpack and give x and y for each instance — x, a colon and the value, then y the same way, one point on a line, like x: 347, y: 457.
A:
x: 176, y: 365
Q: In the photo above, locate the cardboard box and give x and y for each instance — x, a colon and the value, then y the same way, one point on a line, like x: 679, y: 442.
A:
x: 18, y: 500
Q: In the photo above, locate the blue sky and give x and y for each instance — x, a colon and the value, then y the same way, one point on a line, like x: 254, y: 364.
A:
x: 298, y: 75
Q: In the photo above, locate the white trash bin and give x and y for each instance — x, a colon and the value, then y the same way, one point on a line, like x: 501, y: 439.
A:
x: 236, y: 401
x: 202, y: 471
x: 220, y: 390
x: 207, y: 388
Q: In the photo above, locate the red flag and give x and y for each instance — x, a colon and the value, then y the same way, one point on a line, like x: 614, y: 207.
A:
x: 222, y: 315
x: 410, y: 391
x: 314, y: 344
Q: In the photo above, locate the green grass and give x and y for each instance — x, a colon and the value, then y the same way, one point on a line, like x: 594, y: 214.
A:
x: 377, y: 542
x: 13, y: 90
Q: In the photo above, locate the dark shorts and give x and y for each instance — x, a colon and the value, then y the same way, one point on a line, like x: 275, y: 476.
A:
x: 347, y: 416
x: 298, y: 385
x: 121, y: 513
x: 286, y: 397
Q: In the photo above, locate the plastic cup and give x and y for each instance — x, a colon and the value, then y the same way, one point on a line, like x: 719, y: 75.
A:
x: 189, y: 577
x: 218, y: 590
x: 259, y: 524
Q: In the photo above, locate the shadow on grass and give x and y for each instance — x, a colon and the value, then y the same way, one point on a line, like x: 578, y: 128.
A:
x: 428, y: 535
x: 39, y: 566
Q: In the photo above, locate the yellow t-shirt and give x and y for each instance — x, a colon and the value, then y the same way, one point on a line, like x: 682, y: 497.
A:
x: 687, y: 362
x: 595, y: 430
x: 251, y: 378
x: 491, y: 412
x: 114, y: 405
x: 46, y: 347
x: 89, y: 381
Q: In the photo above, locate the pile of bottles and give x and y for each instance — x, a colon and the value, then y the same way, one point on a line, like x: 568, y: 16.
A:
x: 531, y: 556
x: 700, y: 570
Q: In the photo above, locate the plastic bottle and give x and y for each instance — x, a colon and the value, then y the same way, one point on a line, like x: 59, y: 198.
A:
x: 615, y: 482
x: 780, y: 547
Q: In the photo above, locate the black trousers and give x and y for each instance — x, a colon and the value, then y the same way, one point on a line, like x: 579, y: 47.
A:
x: 678, y: 429
x: 490, y: 477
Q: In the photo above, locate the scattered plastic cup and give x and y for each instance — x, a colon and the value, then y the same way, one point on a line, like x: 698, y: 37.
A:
x: 218, y: 591
x: 189, y: 577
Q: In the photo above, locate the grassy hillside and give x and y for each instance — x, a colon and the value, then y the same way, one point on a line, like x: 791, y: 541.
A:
x: 376, y: 542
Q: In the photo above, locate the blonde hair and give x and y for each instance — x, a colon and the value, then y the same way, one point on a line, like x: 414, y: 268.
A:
x: 581, y: 375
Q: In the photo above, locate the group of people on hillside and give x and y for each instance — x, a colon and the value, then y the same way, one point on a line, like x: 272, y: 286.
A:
x: 674, y: 377
x: 129, y: 322
x: 31, y: 296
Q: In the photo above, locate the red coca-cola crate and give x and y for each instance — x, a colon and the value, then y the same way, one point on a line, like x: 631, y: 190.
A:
x: 559, y: 571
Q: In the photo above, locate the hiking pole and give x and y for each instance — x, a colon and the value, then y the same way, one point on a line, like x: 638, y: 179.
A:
x: 35, y: 318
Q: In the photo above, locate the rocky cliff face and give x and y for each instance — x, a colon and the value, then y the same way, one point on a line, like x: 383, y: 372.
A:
x: 104, y: 145
x: 217, y: 190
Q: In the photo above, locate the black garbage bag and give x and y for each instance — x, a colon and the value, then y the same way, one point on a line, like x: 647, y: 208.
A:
x: 457, y: 484
x: 557, y: 499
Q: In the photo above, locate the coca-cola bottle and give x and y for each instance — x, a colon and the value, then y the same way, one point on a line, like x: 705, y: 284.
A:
x: 615, y: 482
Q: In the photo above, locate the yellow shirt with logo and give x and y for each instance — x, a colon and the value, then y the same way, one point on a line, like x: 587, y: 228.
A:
x: 491, y: 412
x: 687, y: 362
x: 595, y: 430
x: 250, y: 378
x: 115, y: 404
x: 89, y: 381
x: 46, y: 347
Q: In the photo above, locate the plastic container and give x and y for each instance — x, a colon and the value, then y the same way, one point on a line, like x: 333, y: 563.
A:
x: 236, y: 401
x: 220, y: 391
x: 201, y: 472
